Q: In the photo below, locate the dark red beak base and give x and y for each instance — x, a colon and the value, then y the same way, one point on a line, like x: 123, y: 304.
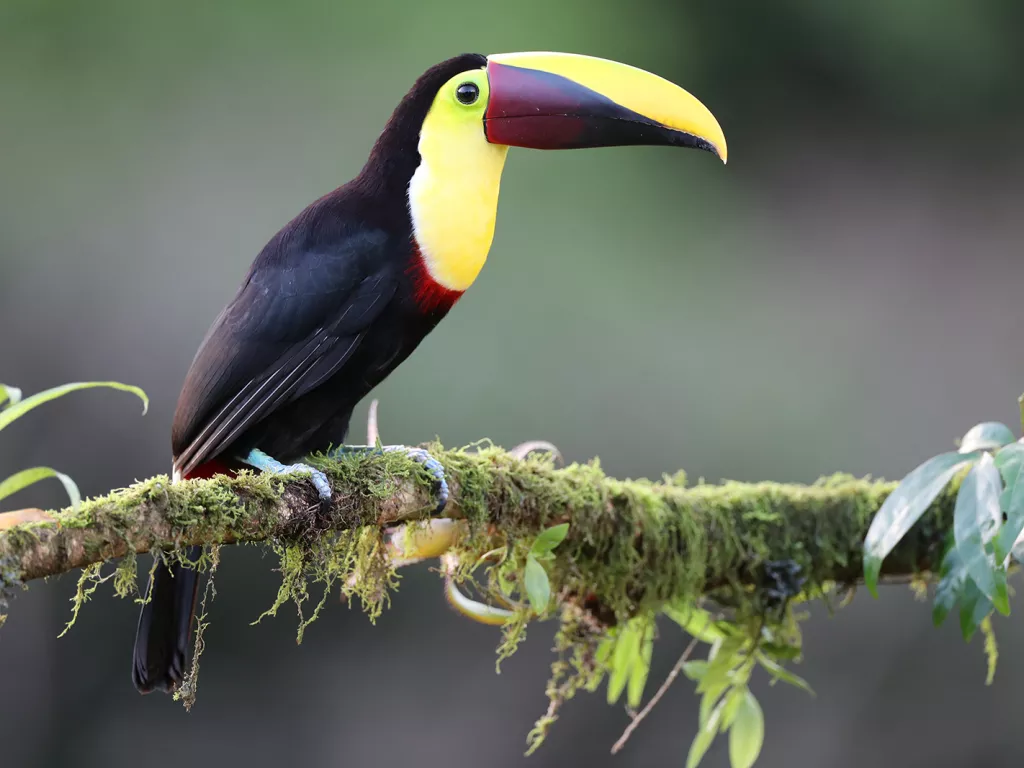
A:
x: 540, y: 110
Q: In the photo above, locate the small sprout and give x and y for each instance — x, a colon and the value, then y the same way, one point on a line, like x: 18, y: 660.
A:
x: 535, y: 577
x: 549, y: 539
x: 538, y: 588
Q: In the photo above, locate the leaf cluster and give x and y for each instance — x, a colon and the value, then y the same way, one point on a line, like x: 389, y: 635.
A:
x: 727, y: 705
x: 988, y: 520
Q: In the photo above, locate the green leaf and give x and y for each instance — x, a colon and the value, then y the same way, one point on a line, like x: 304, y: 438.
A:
x: 548, y: 539
x: 627, y: 647
x: 951, y: 584
x: 904, y: 506
x: 1012, y: 499
x: 976, y: 519
x: 779, y: 651
x: 703, y: 739
x: 538, y: 588
x: 9, y: 394
x: 987, y: 436
x: 779, y: 672
x: 727, y: 655
x: 19, y: 409
x: 1008, y: 460
x: 711, y: 698
x: 974, y: 608
x: 641, y: 668
x: 27, y: 477
x: 695, y: 670
x: 747, y: 733
x: 695, y: 621
x: 732, y: 705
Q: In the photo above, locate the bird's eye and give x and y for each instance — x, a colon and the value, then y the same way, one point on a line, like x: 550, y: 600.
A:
x: 467, y: 93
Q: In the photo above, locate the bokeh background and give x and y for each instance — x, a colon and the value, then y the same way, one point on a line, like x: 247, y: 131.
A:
x: 844, y: 295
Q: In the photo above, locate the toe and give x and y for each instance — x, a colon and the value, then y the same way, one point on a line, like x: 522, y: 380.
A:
x: 523, y: 450
x: 433, y: 466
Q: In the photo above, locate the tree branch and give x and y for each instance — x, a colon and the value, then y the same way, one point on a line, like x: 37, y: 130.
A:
x: 650, y: 541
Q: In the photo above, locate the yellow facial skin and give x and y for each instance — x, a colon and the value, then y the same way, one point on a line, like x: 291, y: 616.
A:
x: 453, y: 195
x: 636, y: 89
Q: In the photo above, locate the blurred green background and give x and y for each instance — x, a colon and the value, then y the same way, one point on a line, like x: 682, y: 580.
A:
x: 844, y: 295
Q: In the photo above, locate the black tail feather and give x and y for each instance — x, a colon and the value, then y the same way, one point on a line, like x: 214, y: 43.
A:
x: 165, y: 627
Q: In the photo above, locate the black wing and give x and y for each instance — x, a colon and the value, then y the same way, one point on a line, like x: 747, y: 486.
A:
x: 295, y: 321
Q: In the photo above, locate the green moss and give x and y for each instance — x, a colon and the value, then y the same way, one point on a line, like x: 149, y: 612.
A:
x: 88, y: 582
x: 354, y: 559
x: 186, y: 692
x: 126, y: 577
x: 633, y: 546
x: 991, y: 649
x: 579, y: 665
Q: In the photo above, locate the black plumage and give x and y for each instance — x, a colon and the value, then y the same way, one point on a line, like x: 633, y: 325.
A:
x: 326, y: 312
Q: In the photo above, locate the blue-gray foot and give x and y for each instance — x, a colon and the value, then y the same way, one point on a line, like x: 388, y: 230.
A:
x: 265, y: 463
x: 420, y: 456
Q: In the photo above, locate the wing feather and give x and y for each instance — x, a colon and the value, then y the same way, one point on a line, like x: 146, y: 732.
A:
x: 296, y: 321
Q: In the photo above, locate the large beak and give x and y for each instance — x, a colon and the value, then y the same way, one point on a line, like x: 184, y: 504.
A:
x: 566, y: 101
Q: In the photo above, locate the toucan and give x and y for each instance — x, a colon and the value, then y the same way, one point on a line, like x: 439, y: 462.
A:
x: 345, y: 291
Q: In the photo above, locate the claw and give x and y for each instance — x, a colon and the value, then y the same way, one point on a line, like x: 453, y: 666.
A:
x: 265, y: 463
x: 523, y: 450
x: 419, y: 455
x: 372, y: 433
x: 471, y: 609
x: 433, y: 466
x: 423, y: 540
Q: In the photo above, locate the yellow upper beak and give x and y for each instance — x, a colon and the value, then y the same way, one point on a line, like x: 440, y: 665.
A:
x: 561, y: 101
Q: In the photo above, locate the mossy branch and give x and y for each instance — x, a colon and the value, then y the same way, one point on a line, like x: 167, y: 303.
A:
x: 631, y: 546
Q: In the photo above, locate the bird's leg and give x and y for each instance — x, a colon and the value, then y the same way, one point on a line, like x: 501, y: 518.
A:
x: 419, y: 455
x: 265, y: 463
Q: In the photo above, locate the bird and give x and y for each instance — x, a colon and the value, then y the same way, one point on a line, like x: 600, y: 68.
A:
x: 343, y: 293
